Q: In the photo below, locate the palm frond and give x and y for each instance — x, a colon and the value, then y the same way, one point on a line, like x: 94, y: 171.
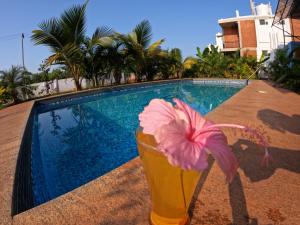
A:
x: 12, y: 77
x: 156, y: 46
x: 189, y: 62
x: 176, y: 54
x: 56, y: 58
x: 133, y: 38
x: 105, y: 42
x: 73, y: 21
x: 162, y: 53
x: 49, y: 34
x: 143, y: 33
x: 101, y: 32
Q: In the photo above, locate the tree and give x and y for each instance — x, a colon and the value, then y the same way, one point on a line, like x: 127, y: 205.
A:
x: 13, y: 82
x: 138, y: 48
x: 285, y: 70
x: 167, y: 64
x: 64, y: 37
x: 95, y: 54
x: 241, y: 67
x: 117, y: 60
x: 3, y: 95
x: 58, y: 73
x: 158, y: 66
x: 191, y: 67
x: 212, y: 62
x: 176, y: 62
x: 44, y: 71
x: 45, y: 75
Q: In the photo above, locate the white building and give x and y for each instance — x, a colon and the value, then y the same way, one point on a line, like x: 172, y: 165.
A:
x: 252, y: 34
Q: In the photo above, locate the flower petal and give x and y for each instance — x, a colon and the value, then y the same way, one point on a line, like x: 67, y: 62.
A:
x: 194, y: 118
x: 157, y: 113
x: 178, y: 149
x: 215, y: 142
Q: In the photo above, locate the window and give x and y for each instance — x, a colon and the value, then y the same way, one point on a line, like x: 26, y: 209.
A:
x: 263, y: 22
x: 265, y: 53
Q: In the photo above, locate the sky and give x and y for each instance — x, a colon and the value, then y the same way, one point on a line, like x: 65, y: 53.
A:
x: 185, y: 24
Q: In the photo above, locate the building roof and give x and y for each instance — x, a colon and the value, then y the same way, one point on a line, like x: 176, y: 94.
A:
x: 240, y: 18
x: 285, y: 9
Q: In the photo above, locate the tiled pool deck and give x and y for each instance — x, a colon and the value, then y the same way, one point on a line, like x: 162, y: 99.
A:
x: 256, y: 196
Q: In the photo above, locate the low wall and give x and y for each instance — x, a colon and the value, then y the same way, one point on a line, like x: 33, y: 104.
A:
x: 65, y: 85
x: 57, y: 86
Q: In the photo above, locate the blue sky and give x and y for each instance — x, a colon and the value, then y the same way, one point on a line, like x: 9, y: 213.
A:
x: 183, y: 24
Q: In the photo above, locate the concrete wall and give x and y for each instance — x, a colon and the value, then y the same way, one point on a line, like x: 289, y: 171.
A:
x: 219, y: 41
x: 65, y: 85
x: 57, y: 86
x: 270, y: 38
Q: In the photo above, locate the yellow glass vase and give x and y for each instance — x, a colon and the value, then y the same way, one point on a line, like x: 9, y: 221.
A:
x: 171, y: 188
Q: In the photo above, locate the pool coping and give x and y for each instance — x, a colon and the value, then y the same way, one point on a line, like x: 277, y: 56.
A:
x: 12, y: 134
x: 27, y: 123
x: 28, y: 107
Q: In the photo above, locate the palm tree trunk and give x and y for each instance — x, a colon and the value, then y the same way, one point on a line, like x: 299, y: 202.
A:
x: 77, y: 84
x: 138, y: 77
x: 95, y: 83
x: 15, y: 99
x: 117, y: 76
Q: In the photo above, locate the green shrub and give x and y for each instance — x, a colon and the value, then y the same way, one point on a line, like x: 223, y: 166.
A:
x: 214, y: 64
x: 285, y: 71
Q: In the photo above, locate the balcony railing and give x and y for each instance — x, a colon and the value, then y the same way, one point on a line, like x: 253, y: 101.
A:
x: 231, y: 44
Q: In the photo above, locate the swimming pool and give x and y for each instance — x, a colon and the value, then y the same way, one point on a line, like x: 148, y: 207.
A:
x: 77, y: 139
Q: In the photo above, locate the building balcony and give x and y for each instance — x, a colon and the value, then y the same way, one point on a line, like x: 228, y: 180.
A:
x: 231, y: 44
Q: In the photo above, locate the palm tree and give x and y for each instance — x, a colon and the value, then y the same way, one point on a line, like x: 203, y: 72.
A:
x: 64, y: 36
x: 138, y: 48
x: 95, y: 54
x: 117, y: 59
x: 12, y: 79
x: 176, y: 62
x: 191, y: 67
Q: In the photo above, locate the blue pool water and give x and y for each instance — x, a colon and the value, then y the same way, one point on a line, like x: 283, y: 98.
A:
x: 78, y: 140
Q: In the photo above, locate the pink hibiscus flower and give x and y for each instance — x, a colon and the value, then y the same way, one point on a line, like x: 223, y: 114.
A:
x: 186, y: 138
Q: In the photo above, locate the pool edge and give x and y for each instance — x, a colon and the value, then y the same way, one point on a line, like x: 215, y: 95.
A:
x: 44, y: 213
x: 32, y: 104
x: 25, y: 148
